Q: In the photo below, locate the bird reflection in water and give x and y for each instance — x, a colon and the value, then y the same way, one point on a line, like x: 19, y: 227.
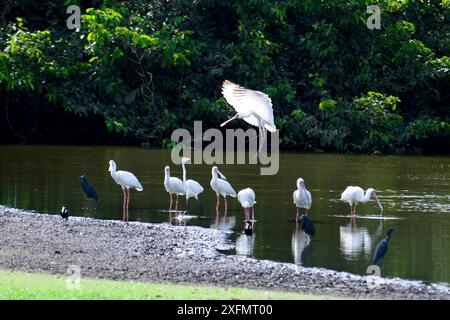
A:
x: 224, y: 223
x: 354, y: 240
x: 245, y: 243
x: 300, y: 240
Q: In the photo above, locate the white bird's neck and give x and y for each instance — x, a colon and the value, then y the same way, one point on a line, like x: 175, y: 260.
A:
x: 167, y: 178
x: 113, y: 173
x: 214, y: 178
x: 184, y: 174
x: 367, y: 195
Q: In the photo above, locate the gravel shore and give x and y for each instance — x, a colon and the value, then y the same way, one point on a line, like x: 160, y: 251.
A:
x: 163, y: 253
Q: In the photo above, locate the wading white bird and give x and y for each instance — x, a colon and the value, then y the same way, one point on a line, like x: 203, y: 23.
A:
x: 254, y: 107
x: 127, y: 181
x: 302, y: 197
x: 191, y: 187
x: 173, y: 185
x: 221, y: 187
x: 247, y: 199
x: 354, y: 195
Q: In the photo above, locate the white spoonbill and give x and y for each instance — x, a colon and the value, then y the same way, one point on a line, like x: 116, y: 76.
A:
x: 221, y: 187
x: 254, y: 107
x: 126, y: 180
x: 173, y: 185
x: 191, y: 187
x: 355, y: 195
x: 302, y: 197
x: 247, y: 199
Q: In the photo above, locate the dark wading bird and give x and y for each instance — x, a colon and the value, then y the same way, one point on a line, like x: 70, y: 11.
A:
x: 88, y: 189
x: 248, y: 228
x: 307, y: 225
x: 65, y: 212
x: 382, y: 247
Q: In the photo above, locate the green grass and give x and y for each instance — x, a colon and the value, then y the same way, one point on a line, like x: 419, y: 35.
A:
x: 28, y: 286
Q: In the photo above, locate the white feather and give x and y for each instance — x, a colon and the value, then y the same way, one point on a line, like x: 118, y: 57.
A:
x: 175, y: 186
x: 252, y: 106
x: 223, y: 188
x: 247, y: 198
x: 193, y: 189
x: 128, y: 180
x: 302, y: 197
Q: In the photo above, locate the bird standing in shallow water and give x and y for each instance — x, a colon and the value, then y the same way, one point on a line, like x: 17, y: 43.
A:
x: 302, y: 197
x: 254, y: 107
x: 88, y: 189
x: 221, y: 187
x: 307, y: 225
x: 173, y: 185
x: 126, y: 180
x: 354, y: 195
x: 247, y: 199
x: 191, y: 187
x: 248, y: 228
x: 382, y: 247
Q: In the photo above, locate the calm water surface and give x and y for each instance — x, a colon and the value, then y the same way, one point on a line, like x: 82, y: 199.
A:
x: 415, y: 192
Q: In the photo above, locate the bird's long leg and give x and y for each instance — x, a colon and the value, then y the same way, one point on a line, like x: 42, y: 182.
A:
x: 231, y: 119
x: 218, y: 202
x: 124, y: 202
x: 245, y: 214
x: 226, y: 204
x: 124, y: 197
x: 253, y: 214
x: 298, y: 214
x: 170, y: 205
x: 176, y: 204
x: 128, y: 203
x: 187, y: 201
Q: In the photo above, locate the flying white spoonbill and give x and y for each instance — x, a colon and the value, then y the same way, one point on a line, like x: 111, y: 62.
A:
x: 221, y: 187
x: 355, y: 195
x: 191, y: 187
x: 247, y: 199
x: 173, y: 185
x: 302, y: 197
x: 254, y: 107
x: 127, y: 181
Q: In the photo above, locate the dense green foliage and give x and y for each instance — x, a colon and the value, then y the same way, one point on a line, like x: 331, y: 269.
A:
x: 142, y: 68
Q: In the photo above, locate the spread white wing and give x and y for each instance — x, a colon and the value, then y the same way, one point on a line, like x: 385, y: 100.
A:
x: 250, y: 104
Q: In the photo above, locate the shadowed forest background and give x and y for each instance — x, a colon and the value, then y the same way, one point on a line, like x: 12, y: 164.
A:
x: 139, y: 69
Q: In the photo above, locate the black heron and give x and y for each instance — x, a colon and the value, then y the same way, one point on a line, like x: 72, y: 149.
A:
x: 307, y: 225
x: 88, y: 189
x: 248, y: 229
x: 382, y: 247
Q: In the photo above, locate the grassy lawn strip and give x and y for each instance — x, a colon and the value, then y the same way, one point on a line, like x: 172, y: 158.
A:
x: 21, y: 285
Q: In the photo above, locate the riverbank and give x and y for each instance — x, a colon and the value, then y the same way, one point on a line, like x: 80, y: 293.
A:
x: 15, y: 285
x: 162, y: 253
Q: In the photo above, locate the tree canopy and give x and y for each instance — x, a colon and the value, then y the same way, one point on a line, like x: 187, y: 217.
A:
x: 136, y: 70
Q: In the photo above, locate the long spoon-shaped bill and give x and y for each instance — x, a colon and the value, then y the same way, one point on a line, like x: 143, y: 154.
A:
x: 380, y: 206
